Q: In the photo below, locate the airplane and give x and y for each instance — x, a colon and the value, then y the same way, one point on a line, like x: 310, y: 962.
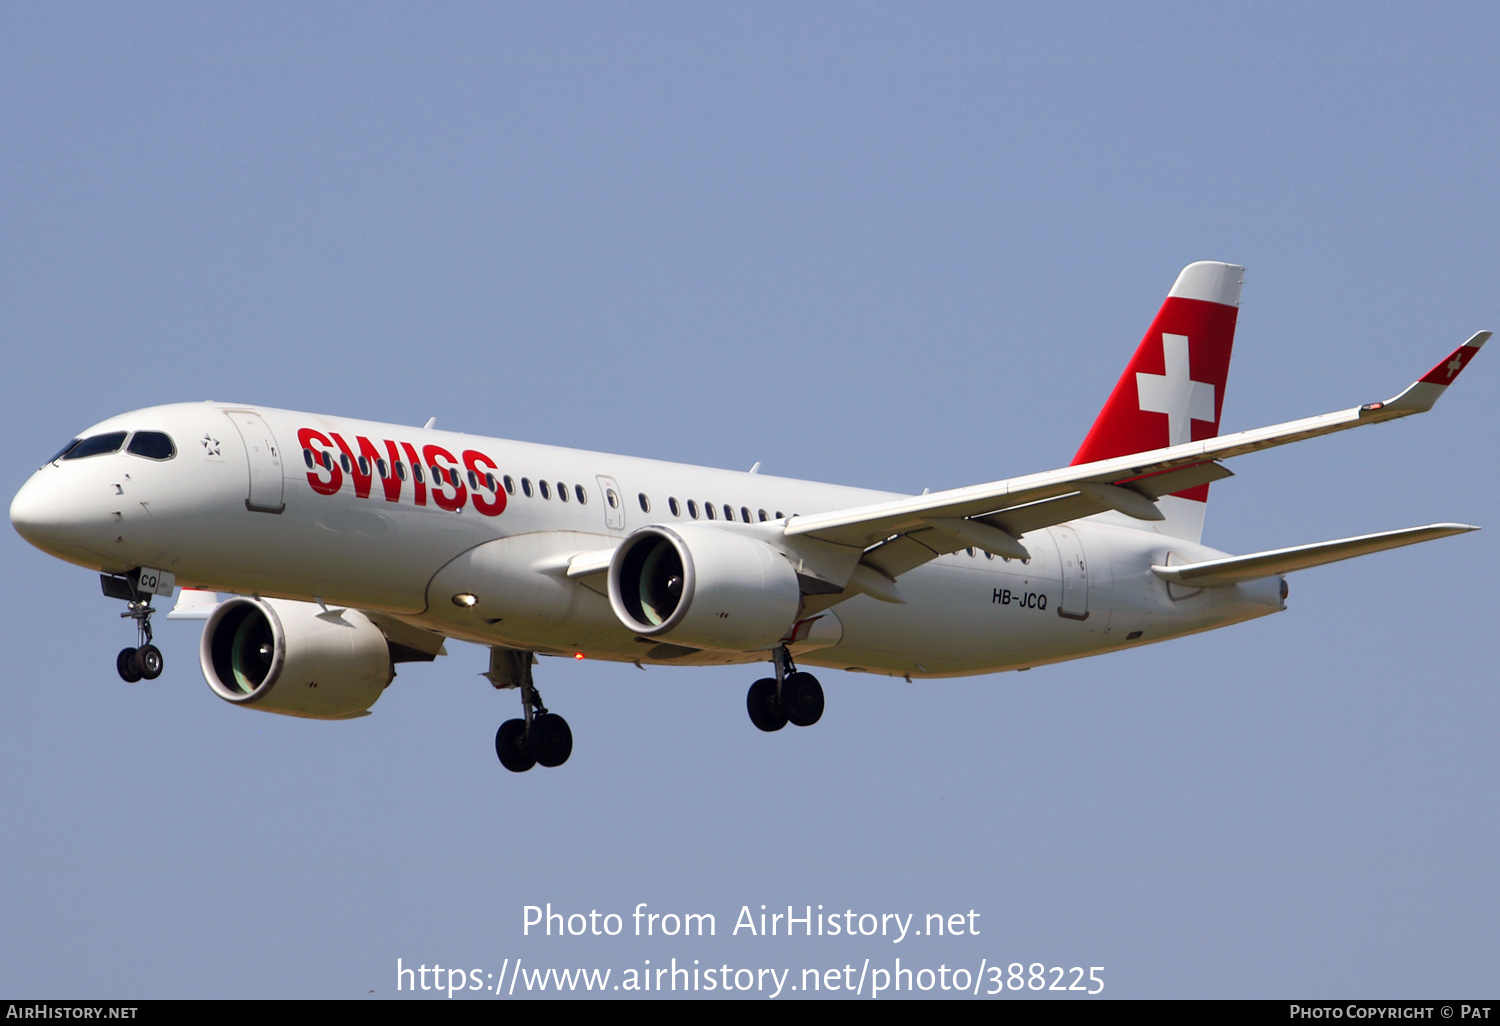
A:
x: 365, y: 545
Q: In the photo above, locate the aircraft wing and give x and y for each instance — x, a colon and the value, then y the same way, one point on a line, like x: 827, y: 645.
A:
x: 904, y: 533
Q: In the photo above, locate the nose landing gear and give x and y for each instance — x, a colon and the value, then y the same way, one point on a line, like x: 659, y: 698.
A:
x: 145, y: 661
x: 540, y: 738
x: 789, y: 697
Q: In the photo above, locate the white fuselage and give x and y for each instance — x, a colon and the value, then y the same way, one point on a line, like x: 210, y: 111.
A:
x: 249, y: 504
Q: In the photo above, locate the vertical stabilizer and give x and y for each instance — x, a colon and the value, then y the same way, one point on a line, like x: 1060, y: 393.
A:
x: 1172, y: 391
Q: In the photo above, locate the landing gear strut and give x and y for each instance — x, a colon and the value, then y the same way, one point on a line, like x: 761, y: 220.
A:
x: 144, y: 662
x: 789, y: 697
x: 540, y: 738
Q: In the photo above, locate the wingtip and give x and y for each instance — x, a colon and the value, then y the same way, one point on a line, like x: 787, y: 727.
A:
x: 1424, y: 392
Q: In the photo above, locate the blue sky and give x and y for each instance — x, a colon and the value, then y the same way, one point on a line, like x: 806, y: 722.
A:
x: 894, y: 246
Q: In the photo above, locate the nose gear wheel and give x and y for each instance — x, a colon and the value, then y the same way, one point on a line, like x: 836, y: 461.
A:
x: 145, y: 661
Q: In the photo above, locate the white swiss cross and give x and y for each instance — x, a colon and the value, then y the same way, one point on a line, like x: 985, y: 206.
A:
x: 1455, y: 365
x: 1175, y: 393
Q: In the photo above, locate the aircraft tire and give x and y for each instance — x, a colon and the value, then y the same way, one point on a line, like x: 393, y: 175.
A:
x: 510, y: 745
x: 765, y: 711
x: 125, y: 666
x: 802, y: 698
x: 148, y: 661
x: 551, y: 740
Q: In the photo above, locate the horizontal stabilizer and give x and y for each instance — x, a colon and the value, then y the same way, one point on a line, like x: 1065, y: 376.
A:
x: 1235, y: 569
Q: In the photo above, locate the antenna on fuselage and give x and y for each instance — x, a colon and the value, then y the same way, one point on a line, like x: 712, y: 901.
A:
x: 430, y: 421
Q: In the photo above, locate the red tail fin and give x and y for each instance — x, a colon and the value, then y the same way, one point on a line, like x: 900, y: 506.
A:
x: 1173, y: 389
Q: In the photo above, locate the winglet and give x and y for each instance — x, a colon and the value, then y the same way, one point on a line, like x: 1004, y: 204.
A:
x: 1424, y: 393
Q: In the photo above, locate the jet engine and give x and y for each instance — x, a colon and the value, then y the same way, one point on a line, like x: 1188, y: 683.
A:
x: 295, y: 658
x: 703, y: 587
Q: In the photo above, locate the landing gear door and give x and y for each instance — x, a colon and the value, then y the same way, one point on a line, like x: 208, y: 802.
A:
x: 265, y: 462
x: 1075, y: 574
x: 614, y: 504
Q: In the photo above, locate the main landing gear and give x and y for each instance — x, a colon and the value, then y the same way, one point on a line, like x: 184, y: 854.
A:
x: 144, y: 662
x: 789, y: 697
x: 540, y: 738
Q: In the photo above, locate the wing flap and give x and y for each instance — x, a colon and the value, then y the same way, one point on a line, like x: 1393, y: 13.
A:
x: 1154, y: 486
x: 904, y: 552
x: 1220, y: 572
x: 1036, y: 515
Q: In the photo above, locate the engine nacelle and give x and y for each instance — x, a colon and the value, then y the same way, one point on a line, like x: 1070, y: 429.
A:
x: 703, y: 587
x: 294, y: 658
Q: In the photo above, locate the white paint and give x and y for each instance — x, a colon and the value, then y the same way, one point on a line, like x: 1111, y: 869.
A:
x: 1175, y: 393
x: 1211, y: 282
x: 536, y: 569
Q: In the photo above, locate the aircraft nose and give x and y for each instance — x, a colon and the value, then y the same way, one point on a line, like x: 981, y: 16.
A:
x: 32, y: 515
x: 43, y: 514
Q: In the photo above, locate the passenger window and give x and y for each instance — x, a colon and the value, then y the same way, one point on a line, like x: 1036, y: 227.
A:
x: 401, y: 470
x: 562, y: 492
x: 510, y: 485
x: 546, y: 491
x: 692, y: 509
x: 728, y: 511
x: 416, y: 472
x: 672, y: 505
x: 452, y: 476
x: 307, y: 457
x: 645, y: 502
x: 473, y: 481
x: 763, y: 517
x: 708, y: 511
x: 364, y: 466
x: 780, y: 515
x: 344, y: 462
x: 489, y: 480
x: 745, y: 514
x: 151, y: 444
x: 583, y: 496
x: 526, y: 486
x: 380, y: 466
x: 327, y: 460
x: 611, y: 498
x: 98, y: 445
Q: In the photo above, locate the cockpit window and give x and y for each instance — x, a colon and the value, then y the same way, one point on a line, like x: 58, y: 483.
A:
x: 65, y: 450
x: 96, y: 445
x: 151, y: 444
